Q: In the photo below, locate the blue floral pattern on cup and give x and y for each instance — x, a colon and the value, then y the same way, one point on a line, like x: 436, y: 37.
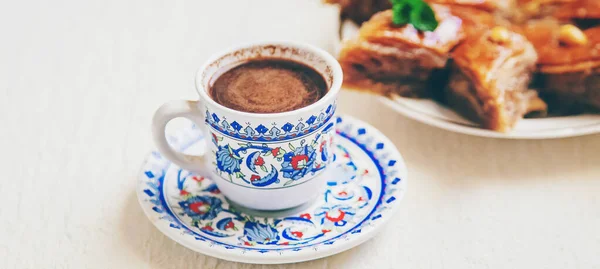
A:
x: 268, y: 156
x: 228, y: 161
x: 267, y: 164
x: 299, y: 161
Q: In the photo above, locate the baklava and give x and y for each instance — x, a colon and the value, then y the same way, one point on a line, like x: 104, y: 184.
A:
x: 389, y: 59
x: 569, y: 62
x: 489, y: 79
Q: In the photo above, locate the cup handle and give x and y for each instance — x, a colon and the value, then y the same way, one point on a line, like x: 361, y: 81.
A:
x: 162, y: 116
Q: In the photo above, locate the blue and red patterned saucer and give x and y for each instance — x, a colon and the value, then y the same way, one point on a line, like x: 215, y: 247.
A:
x: 369, y: 184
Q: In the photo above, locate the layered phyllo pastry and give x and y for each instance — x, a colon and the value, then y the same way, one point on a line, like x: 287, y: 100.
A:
x: 489, y: 79
x: 569, y: 63
x: 390, y: 59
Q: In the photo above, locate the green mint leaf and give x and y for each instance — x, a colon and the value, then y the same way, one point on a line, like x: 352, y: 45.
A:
x: 401, y: 13
x: 416, y: 12
x: 422, y: 17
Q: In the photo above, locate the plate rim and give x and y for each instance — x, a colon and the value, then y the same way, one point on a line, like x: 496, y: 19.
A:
x: 272, y: 257
x: 480, y: 132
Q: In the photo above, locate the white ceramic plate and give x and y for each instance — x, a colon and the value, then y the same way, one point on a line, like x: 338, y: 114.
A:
x: 434, y: 114
x: 369, y: 182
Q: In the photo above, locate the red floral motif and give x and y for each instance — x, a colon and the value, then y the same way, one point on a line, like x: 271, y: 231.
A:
x: 325, y: 231
x: 344, y: 193
x: 254, y: 178
x: 229, y: 225
x: 322, y: 145
x: 183, y: 192
x: 365, y: 172
x: 285, y: 243
x: 299, y: 161
x: 198, y: 207
x: 197, y: 178
x: 305, y: 216
x: 361, y: 199
x: 207, y: 228
x: 339, y: 217
x: 246, y: 243
x: 298, y: 234
x: 259, y: 161
x: 215, y: 137
x: 275, y: 151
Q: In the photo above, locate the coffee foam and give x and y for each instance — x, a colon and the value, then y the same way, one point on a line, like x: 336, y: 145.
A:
x: 268, y: 86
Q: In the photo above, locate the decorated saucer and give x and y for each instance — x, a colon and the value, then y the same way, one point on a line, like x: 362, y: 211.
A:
x: 369, y: 182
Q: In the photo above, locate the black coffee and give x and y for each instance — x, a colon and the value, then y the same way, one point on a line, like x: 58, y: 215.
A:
x: 268, y: 85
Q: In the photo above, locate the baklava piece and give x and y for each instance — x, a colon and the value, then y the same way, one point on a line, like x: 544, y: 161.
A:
x: 489, y: 79
x: 388, y: 59
x: 569, y: 63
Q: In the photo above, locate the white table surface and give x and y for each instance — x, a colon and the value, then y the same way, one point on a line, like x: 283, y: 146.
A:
x: 79, y: 81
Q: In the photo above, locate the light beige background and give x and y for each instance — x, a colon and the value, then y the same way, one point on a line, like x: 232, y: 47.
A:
x: 79, y: 81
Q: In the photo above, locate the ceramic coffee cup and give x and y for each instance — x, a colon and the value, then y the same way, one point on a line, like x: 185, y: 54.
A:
x: 268, y: 161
